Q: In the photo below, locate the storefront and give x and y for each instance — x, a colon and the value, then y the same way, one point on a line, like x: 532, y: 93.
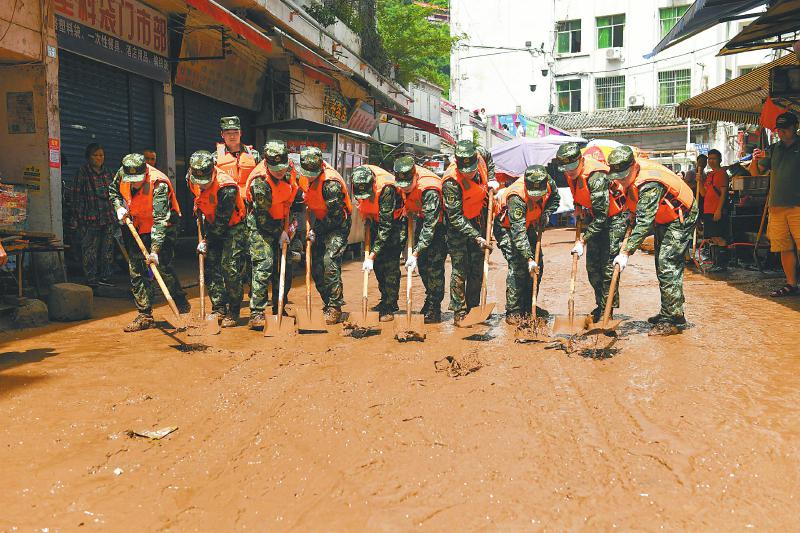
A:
x: 112, y: 66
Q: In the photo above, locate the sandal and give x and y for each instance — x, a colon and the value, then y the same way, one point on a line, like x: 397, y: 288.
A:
x: 786, y: 290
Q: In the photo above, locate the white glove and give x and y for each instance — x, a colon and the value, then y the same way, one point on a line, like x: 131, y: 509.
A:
x: 202, y: 247
x: 152, y: 259
x: 532, y: 266
x: 368, y: 264
x: 284, y: 238
x: 121, y: 214
x: 411, y: 263
x: 484, y: 244
x: 310, y: 235
x: 494, y: 185
x: 622, y: 261
x: 577, y: 249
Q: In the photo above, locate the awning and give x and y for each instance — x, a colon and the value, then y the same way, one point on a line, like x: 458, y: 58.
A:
x: 703, y: 15
x: 418, y: 123
x: 238, y: 25
x: 738, y: 100
x: 305, y: 125
x: 322, y: 77
x: 776, y: 28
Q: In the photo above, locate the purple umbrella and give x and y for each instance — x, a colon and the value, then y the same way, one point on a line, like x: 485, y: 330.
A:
x: 514, y: 156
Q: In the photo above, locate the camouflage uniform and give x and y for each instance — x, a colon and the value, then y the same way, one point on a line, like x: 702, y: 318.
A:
x: 264, y: 234
x: 466, y: 253
x: 489, y: 160
x: 387, y: 235
x: 518, y: 243
x: 602, y: 234
x: 671, y: 240
x: 161, y: 240
x: 330, y: 236
x: 224, y: 263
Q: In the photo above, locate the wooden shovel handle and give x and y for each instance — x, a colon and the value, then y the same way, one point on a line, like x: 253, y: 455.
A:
x: 308, y: 264
x: 201, y: 259
x: 571, y: 301
x: 153, y: 268
x: 409, y: 251
x: 365, y: 287
x: 282, y: 279
x: 535, y: 273
x: 489, y: 223
x: 612, y: 289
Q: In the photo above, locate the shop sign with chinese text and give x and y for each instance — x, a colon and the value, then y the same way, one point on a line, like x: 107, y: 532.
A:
x: 123, y: 33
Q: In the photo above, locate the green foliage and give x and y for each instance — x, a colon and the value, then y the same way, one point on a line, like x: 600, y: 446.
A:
x: 327, y: 12
x: 416, y: 47
x: 476, y: 136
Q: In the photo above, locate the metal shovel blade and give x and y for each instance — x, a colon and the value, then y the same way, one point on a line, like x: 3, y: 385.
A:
x: 201, y: 327
x: 597, y: 328
x: 409, y: 330
x: 477, y: 315
x: 310, y: 321
x: 370, y: 321
x: 274, y: 328
x: 570, y: 326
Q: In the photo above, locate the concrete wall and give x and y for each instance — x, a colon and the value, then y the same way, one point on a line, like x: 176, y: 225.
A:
x: 22, y: 31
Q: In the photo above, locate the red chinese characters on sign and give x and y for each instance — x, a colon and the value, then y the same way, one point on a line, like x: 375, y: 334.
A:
x: 128, y: 20
x: 296, y: 146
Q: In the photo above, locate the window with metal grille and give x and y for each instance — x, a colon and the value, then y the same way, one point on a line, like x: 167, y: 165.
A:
x: 569, y: 96
x: 569, y: 36
x: 610, y: 92
x: 669, y: 17
x: 674, y: 86
x: 610, y: 31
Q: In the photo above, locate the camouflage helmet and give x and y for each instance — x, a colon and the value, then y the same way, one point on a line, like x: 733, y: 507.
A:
x: 568, y: 157
x: 276, y: 156
x: 201, y: 167
x: 230, y: 123
x: 363, y: 183
x: 134, y: 168
x: 311, y: 162
x: 404, y: 171
x: 466, y: 156
x: 620, y: 161
x: 536, y: 178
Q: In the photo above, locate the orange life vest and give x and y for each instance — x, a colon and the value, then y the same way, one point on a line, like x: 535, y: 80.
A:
x: 674, y: 205
x: 579, y: 186
x: 535, y: 204
x: 239, y: 168
x: 473, y: 195
x: 283, y: 191
x: 206, y: 200
x: 313, y: 192
x: 426, y: 180
x: 140, y: 203
x: 369, y: 207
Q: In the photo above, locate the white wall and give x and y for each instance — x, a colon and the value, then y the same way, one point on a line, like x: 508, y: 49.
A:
x: 500, y: 82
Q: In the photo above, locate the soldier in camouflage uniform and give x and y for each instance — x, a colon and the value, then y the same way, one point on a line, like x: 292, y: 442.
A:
x: 145, y: 195
x: 381, y: 204
x: 465, y: 189
x: 665, y: 205
x: 326, y: 197
x: 219, y: 202
x: 271, y: 190
x: 422, y: 194
x: 603, y: 217
x: 522, y: 207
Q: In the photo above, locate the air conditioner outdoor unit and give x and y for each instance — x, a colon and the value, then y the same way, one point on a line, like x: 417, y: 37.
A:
x: 635, y: 101
x: 614, y: 54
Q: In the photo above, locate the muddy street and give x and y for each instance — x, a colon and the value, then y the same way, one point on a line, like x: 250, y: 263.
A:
x: 699, y: 431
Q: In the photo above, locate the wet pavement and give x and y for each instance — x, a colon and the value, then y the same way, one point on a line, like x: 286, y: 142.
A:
x: 466, y: 430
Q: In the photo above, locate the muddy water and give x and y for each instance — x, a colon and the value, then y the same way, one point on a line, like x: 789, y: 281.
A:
x: 699, y: 431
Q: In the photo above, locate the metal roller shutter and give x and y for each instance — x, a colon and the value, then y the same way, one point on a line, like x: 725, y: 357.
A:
x: 93, y: 98
x: 142, y: 117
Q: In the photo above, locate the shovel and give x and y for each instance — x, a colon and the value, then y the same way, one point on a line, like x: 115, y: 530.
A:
x: 413, y: 327
x: 367, y: 321
x: 212, y: 326
x: 567, y: 324
x: 309, y: 320
x: 479, y: 314
x: 607, y: 326
x: 533, y: 332
x: 279, y: 325
x: 185, y: 322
